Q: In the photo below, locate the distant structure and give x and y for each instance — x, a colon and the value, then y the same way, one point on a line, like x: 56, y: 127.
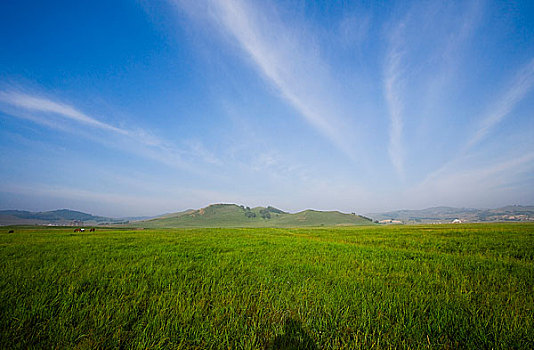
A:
x: 390, y: 221
x: 456, y: 221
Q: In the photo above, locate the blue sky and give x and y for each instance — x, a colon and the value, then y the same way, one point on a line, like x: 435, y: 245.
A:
x: 130, y: 108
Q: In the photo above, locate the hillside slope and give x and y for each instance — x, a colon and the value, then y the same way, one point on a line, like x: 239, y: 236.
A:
x: 232, y: 215
x: 55, y: 217
x: 447, y: 214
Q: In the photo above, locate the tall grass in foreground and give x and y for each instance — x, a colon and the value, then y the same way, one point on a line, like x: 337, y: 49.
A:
x: 442, y: 286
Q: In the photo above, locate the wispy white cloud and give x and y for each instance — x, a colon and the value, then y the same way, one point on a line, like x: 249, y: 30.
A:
x: 475, y: 186
x: 452, y: 45
x: 516, y: 91
x: 354, y: 29
x: 425, y: 49
x: 198, y: 150
x: 469, y: 18
x: 287, y: 59
x: 51, y: 113
x: 393, y: 87
x: 39, y: 104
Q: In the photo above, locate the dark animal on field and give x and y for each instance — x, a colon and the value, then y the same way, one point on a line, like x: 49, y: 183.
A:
x: 82, y: 230
x: 92, y: 230
x: 77, y: 230
x: 11, y: 231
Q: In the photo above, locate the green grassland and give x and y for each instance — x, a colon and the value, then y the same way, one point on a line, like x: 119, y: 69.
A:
x: 232, y: 215
x: 435, y: 286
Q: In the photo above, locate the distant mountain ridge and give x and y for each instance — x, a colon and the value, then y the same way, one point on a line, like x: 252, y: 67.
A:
x: 233, y: 215
x: 54, y: 217
x: 448, y: 214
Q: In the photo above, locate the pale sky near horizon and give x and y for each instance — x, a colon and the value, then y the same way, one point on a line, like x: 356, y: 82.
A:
x: 129, y: 108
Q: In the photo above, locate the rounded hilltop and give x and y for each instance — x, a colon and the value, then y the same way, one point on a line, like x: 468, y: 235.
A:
x: 233, y: 215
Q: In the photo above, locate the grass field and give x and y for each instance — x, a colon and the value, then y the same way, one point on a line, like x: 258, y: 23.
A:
x: 439, y: 286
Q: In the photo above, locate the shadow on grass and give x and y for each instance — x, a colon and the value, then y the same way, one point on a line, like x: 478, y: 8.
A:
x: 294, y: 337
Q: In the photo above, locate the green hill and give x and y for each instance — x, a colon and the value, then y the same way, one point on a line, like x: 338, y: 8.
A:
x: 54, y: 217
x: 232, y: 215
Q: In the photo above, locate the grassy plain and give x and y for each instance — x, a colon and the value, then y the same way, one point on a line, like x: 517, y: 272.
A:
x: 436, y: 286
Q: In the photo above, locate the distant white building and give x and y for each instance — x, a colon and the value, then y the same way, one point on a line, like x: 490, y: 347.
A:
x: 456, y: 221
x: 390, y: 221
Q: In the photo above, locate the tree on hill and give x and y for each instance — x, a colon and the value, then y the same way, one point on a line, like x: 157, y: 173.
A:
x: 274, y: 210
x: 265, y: 213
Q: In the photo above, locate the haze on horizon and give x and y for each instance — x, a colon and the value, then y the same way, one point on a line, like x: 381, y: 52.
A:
x: 132, y: 108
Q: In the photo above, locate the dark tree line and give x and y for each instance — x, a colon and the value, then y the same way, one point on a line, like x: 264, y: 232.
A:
x: 264, y: 213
